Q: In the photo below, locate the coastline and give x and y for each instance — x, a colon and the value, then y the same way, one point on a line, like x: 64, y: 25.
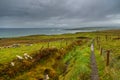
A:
x: 22, y: 32
x: 75, y: 32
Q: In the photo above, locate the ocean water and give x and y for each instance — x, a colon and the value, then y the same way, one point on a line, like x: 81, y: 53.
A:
x: 17, y: 32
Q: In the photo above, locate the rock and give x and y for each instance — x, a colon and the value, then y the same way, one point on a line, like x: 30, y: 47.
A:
x: 19, y: 57
x: 12, y: 64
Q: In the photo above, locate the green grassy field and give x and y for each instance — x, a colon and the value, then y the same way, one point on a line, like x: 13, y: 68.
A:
x: 65, y: 57
x: 8, y: 54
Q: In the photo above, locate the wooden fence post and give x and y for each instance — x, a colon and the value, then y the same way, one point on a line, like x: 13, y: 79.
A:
x: 97, y: 40
x: 99, y: 46
x: 61, y: 43
x: 108, y: 57
x: 106, y: 37
x: 66, y: 43
x: 101, y: 50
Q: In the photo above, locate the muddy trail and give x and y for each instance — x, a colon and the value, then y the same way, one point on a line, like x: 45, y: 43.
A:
x: 94, y: 72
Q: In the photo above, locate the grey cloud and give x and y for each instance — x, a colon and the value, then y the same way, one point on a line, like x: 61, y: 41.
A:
x: 64, y: 12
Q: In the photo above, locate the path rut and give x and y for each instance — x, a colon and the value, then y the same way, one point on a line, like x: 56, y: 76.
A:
x: 94, y: 73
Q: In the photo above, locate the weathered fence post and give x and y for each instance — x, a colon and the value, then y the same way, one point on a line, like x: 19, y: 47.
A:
x: 97, y: 40
x: 108, y: 57
x: 106, y: 37
x: 61, y: 43
x: 66, y: 43
x: 99, y: 46
x: 101, y: 50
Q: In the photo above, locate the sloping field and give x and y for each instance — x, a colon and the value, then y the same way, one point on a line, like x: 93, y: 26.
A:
x: 61, y: 57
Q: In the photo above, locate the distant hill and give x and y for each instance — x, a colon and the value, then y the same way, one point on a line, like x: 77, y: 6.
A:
x: 94, y: 28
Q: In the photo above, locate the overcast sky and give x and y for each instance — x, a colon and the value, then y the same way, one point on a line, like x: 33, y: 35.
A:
x: 59, y: 13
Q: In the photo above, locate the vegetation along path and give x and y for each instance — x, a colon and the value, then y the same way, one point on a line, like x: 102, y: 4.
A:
x: 94, y: 73
x: 78, y: 64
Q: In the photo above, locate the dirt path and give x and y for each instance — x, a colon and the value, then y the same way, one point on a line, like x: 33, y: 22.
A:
x: 94, y: 73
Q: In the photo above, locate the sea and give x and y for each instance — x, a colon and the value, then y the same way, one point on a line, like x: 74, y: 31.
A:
x: 18, y: 32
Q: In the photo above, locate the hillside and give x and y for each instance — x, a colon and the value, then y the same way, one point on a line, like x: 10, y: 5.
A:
x: 61, y: 57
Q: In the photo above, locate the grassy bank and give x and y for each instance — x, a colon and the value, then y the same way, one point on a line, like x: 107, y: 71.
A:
x: 77, y: 64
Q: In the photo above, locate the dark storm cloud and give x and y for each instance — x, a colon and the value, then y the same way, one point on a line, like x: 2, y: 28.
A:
x: 29, y: 8
x: 39, y: 13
